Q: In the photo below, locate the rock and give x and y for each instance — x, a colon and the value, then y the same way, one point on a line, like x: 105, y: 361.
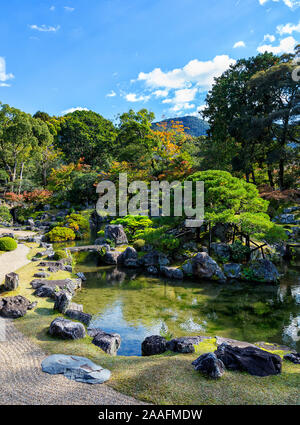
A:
x: 293, y: 357
x: 221, y: 250
x: 253, y: 360
x: 62, y: 301
x: 286, y: 219
x: 264, y: 271
x: 79, y: 315
x: 210, y: 365
x: 108, y: 342
x: 154, y: 258
x: 204, y: 267
x: 11, y: 281
x: 15, y: 307
x: 154, y: 344
x: 185, y: 344
x: 48, y: 288
x: 42, y: 275
x: 76, y: 368
x: 31, y: 223
x: 66, y: 329
x: 232, y: 342
x: 68, y: 268
x: 58, y: 264
x: 129, y: 254
x: 111, y: 257
x: 152, y: 270
x: 116, y: 233
x: 172, y: 272
x: 291, y: 209
x: 47, y: 208
x: 232, y: 270
x: 81, y: 276
x: 187, y: 268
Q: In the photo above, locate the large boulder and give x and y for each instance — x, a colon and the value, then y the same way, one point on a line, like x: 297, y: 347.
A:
x: 11, y: 281
x: 232, y: 270
x: 108, y: 342
x: 264, y: 271
x: 209, y: 365
x: 128, y: 258
x: 187, y: 268
x: 154, y: 344
x: 49, y: 288
x: 15, y: 307
x: 154, y: 258
x: 172, y: 272
x: 249, y: 359
x: 66, y: 329
x: 221, y: 250
x: 115, y: 233
x: 78, y: 315
x: 204, y: 267
x: 111, y: 257
x: 76, y: 368
x: 185, y: 344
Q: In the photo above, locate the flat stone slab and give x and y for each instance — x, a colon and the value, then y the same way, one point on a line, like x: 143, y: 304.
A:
x: 76, y: 368
x: 233, y: 342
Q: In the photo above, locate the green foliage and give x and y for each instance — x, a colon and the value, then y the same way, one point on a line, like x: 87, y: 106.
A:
x: 61, y: 234
x: 7, y: 244
x: 139, y: 244
x: 101, y: 233
x: 133, y: 223
x: 60, y: 254
x: 78, y: 223
x: 158, y: 238
x: 275, y: 234
x: 239, y: 252
x: 5, y: 215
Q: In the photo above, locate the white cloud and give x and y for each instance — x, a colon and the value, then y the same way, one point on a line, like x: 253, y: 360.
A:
x: 133, y: 97
x: 44, y: 28
x: 3, y: 75
x: 288, y: 28
x: 182, y: 106
x: 78, y: 108
x: 52, y: 8
x: 292, y: 4
x: 111, y: 94
x: 286, y: 45
x: 198, y: 111
x: 195, y: 72
x: 69, y: 9
x: 270, y: 38
x: 239, y: 44
x: 161, y: 93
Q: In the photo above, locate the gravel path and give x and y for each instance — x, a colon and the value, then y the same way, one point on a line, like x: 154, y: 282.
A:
x: 13, y: 260
x: 21, y: 378
x: 23, y: 382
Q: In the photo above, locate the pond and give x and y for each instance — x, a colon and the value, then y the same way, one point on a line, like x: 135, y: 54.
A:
x: 135, y: 306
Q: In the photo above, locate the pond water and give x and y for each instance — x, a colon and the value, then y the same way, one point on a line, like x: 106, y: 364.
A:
x: 135, y: 306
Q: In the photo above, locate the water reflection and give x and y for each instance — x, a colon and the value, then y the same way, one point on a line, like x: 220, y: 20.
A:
x: 136, y: 306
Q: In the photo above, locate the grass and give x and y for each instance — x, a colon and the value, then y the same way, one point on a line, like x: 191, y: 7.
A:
x: 163, y: 379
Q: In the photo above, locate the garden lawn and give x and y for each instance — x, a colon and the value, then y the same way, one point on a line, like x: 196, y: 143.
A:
x: 164, y: 379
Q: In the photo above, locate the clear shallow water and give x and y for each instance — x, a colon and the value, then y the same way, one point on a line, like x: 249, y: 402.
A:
x: 136, y: 306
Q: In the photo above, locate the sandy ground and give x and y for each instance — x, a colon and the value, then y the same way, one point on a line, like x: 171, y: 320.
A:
x: 21, y: 378
x: 16, y: 232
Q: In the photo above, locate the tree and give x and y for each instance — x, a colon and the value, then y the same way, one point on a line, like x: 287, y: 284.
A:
x: 86, y: 134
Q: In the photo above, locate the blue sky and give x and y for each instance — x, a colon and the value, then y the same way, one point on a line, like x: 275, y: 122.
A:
x: 112, y: 55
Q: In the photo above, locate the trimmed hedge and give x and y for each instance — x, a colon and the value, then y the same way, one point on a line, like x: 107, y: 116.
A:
x: 61, y: 234
x: 7, y: 244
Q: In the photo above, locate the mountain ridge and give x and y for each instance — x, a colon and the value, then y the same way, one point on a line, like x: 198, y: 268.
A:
x: 193, y: 125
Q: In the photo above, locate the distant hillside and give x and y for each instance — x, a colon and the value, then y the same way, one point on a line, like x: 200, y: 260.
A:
x: 194, y: 126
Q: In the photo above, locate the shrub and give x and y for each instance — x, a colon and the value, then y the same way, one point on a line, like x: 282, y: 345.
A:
x: 239, y: 252
x: 60, y: 254
x: 7, y: 244
x: 101, y: 233
x: 61, y: 234
x: 139, y: 244
x: 5, y: 214
x: 159, y: 238
x: 78, y: 223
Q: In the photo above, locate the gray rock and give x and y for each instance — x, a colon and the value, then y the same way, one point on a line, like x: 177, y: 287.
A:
x: 293, y: 357
x: 152, y: 270
x: 108, y: 342
x: 172, y: 272
x: 232, y: 342
x: 66, y: 329
x: 48, y: 288
x: 221, y: 250
x: 79, y: 315
x: 209, y: 365
x: 76, y: 368
x: 185, y: 344
x: 232, y: 270
x: 286, y: 219
x: 11, y: 282
x: 204, y: 267
x: 129, y: 254
x: 154, y: 258
x: 15, y: 307
x: 111, y: 257
x: 264, y: 271
x: 187, y: 268
x: 154, y: 344
x: 116, y: 233
x: 68, y: 268
x: 81, y: 276
x: 62, y: 301
x: 42, y: 275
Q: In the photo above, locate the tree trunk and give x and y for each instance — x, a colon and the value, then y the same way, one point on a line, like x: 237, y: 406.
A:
x: 253, y: 177
x: 270, y: 176
x: 281, y: 174
x: 21, y: 178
